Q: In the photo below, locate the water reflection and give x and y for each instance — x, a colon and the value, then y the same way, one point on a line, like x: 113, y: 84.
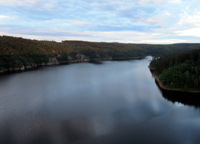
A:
x: 114, y: 102
x: 185, y: 98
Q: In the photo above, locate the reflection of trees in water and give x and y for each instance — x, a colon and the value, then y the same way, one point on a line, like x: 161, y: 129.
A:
x: 186, y: 98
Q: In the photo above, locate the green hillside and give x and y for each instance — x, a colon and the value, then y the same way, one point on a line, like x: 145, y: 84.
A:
x: 179, y: 71
x: 23, y: 53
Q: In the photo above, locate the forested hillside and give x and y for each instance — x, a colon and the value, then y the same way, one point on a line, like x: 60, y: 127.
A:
x: 179, y: 71
x: 19, y: 53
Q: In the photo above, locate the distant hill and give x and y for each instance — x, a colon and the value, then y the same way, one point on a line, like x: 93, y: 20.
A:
x: 19, y: 53
x: 179, y: 71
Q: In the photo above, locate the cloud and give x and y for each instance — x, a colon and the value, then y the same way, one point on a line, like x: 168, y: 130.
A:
x: 151, y: 1
x: 77, y: 22
x: 19, y: 3
x: 3, y: 16
x: 152, y: 21
x: 189, y: 32
x: 29, y: 3
x: 190, y: 24
x: 99, y: 36
x: 192, y: 20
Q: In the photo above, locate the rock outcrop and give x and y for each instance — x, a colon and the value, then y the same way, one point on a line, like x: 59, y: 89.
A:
x: 53, y: 61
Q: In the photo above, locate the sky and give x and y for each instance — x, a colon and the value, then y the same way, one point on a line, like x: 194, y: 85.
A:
x: 126, y: 21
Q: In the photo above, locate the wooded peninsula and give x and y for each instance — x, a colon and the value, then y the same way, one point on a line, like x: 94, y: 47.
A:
x: 180, y: 72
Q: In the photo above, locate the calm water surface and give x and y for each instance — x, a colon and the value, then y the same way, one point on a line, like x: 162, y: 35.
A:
x: 116, y: 102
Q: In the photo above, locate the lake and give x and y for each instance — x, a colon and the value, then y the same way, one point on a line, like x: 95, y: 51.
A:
x: 116, y: 102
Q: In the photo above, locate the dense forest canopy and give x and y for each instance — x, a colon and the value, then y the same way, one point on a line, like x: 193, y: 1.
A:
x: 179, y: 71
x: 20, y: 52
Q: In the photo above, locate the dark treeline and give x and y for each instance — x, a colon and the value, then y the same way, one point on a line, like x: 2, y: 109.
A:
x: 179, y: 71
x: 19, y: 52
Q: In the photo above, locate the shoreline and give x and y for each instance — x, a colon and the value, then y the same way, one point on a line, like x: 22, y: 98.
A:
x: 29, y: 68
x: 160, y: 84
